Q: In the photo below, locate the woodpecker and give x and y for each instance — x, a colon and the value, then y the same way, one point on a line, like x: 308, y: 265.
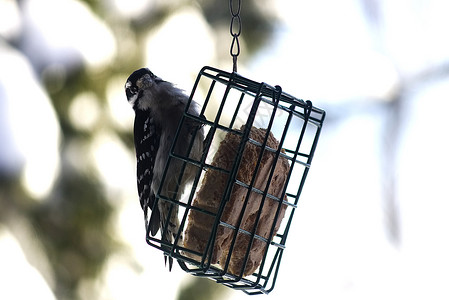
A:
x: 159, y: 107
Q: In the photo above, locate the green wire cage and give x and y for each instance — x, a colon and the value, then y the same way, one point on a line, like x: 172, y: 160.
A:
x: 239, y: 240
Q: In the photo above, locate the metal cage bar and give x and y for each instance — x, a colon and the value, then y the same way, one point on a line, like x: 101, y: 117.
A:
x: 234, y: 105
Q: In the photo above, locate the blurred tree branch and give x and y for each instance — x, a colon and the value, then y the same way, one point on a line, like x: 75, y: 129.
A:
x: 73, y: 223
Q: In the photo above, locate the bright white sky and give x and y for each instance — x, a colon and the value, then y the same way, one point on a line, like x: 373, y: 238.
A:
x: 327, y: 52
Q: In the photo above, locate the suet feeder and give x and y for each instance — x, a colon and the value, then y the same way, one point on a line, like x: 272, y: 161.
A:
x: 236, y: 216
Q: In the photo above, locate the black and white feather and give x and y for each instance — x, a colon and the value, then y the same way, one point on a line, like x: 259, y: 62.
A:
x: 159, y: 107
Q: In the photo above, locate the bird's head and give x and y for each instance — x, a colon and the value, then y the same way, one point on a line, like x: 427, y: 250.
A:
x: 141, y: 87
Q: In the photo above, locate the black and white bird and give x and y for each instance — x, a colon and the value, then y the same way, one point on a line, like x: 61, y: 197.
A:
x: 159, y: 107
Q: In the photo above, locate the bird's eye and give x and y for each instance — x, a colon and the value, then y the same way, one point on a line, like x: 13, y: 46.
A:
x: 133, y: 89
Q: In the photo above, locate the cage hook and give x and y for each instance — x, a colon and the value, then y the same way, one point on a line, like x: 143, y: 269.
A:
x: 277, y: 92
x: 308, y: 109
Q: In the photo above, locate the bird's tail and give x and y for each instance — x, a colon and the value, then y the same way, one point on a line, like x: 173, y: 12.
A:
x: 169, y: 228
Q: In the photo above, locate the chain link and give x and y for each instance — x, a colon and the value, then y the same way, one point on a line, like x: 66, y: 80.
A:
x: 236, y: 30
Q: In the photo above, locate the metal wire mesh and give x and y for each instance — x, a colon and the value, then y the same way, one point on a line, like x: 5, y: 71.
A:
x: 234, y: 107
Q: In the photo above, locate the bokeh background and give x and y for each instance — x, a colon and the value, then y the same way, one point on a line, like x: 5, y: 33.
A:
x: 373, y: 221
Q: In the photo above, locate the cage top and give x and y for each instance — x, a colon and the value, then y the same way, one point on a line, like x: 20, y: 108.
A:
x: 260, y: 88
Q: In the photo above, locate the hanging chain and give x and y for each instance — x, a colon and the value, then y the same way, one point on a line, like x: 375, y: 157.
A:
x: 236, y: 30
